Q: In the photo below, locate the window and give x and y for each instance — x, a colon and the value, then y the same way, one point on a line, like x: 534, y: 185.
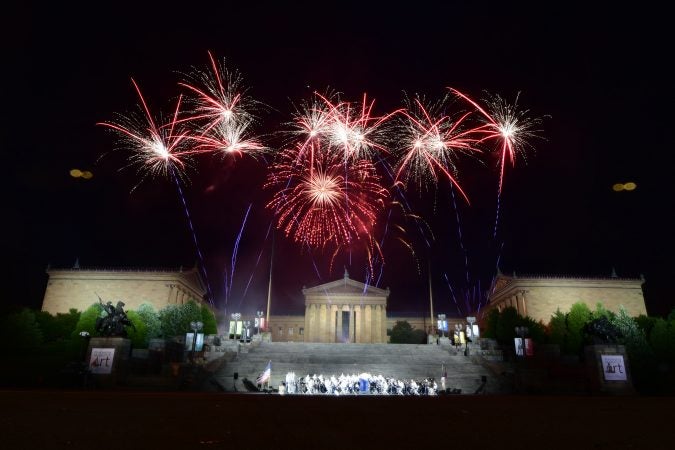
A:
x: 301, y: 332
x: 290, y: 331
x: 281, y: 331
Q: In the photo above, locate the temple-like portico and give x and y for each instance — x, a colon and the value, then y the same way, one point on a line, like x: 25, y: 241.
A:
x: 345, y: 311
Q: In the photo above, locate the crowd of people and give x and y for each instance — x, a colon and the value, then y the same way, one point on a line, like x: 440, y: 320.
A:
x: 353, y: 384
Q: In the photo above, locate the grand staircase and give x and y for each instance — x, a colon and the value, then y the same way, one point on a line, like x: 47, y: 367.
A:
x: 402, y: 361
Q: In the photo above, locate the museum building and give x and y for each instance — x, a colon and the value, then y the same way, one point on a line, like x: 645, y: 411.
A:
x: 340, y: 311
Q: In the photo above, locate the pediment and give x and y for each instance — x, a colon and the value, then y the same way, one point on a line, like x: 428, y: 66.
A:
x: 345, y: 287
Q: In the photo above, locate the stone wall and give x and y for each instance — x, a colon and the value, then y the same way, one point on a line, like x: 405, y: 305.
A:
x: 287, y: 328
x: 80, y: 288
x: 539, y: 298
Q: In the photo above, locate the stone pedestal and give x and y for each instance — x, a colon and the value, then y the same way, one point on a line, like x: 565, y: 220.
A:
x: 108, y: 360
x: 609, y: 369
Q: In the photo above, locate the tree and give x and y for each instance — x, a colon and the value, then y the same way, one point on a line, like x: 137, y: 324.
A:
x: 151, y: 320
x: 87, y: 320
x: 506, y: 327
x: 139, y: 332
x: 557, y: 329
x: 492, y: 322
x: 536, y: 330
x: 170, y: 321
x: 640, y: 354
x: 57, y: 327
x: 401, y: 333
x: 209, y: 320
x: 662, y: 339
x: 20, y: 332
x: 577, y: 318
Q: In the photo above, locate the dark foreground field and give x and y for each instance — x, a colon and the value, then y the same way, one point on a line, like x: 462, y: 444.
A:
x: 131, y: 420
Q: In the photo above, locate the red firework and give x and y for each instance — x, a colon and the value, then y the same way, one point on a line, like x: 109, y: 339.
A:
x: 155, y: 150
x: 429, y: 140
x: 321, y: 199
x: 504, y: 123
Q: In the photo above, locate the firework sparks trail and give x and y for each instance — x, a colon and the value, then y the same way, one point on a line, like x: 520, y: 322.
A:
x: 233, y: 262
x: 156, y: 150
x: 257, y: 262
x: 460, y: 236
x: 510, y: 126
x: 194, y: 237
x: 452, y: 293
x: 312, y: 204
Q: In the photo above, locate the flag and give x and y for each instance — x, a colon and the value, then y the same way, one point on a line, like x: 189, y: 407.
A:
x: 265, y: 376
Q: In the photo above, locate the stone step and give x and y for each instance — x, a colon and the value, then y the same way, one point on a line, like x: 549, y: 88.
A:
x: 390, y: 360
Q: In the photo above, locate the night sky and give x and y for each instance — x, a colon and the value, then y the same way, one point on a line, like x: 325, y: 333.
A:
x: 600, y: 74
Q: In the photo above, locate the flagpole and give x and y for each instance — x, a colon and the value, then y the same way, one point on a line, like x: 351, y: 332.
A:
x: 269, y: 287
x: 431, y: 299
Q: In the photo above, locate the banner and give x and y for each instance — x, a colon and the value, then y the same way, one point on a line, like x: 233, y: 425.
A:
x: 613, y: 368
x: 101, y: 360
x: 518, y: 343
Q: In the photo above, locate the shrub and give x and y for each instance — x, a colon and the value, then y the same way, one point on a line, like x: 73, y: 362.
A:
x: 57, y: 327
x: 577, y: 318
x: 646, y: 324
x: 662, y: 339
x: 209, y: 320
x: 139, y: 332
x: 557, y: 329
x: 20, y: 332
x: 87, y: 320
x: 401, y: 333
x: 506, y: 326
x: 170, y: 321
x: 492, y: 322
x: 639, y: 352
x: 151, y: 320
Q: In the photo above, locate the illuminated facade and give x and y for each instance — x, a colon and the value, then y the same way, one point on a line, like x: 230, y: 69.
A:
x: 345, y: 311
x: 539, y: 297
x: 80, y: 288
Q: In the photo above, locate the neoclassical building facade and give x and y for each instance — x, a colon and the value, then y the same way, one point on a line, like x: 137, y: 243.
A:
x: 539, y: 296
x: 80, y: 288
x: 346, y: 311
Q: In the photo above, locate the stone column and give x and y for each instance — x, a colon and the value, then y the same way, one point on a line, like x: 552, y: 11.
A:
x: 323, y: 319
x: 358, y: 319
x: 384, y: 324
x: 332, y: 318
x: 377, y: 324
x: 351, y: 324
x: 367, y: 320
x: 311, y: 332
x: 522, y: 298
x: 306, y: 337
x: 171, y: 288
x: 339, y: 323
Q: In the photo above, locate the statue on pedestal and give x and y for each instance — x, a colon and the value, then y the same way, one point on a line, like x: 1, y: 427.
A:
x: 115, y: 321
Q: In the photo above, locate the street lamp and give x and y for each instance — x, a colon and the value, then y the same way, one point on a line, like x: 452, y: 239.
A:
x: 442, y: 324
x: 522, y: 332
x: 196, y: 326
x: 233, y: 324
x: 247, y: 325
x: 258, y: 321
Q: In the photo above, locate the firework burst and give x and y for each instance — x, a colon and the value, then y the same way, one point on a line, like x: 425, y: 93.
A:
x: 429, y: 141
x: 218, y: 96
x: 321, y: 200
x: 505, y: 123
x: 156, y: 150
